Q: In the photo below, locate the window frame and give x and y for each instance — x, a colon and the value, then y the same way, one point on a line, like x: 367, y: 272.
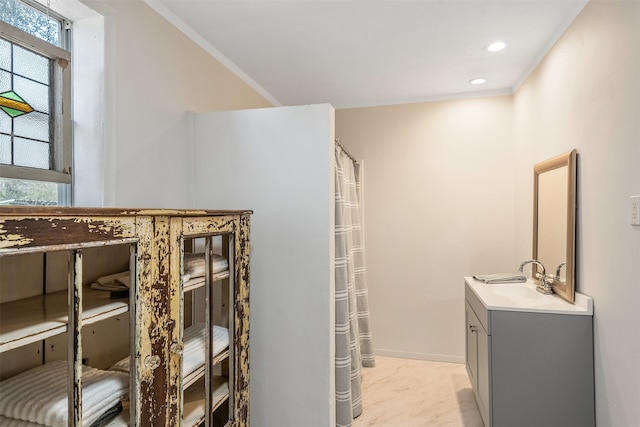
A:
x: 62, y: 144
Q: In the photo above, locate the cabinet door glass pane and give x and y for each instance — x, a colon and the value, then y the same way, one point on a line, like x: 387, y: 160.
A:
x: 206, y: 328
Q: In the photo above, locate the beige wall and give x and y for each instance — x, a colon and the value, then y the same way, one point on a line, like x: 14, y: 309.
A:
x: 438, y: 191
x: 448, y: 192
x: 585, y: 94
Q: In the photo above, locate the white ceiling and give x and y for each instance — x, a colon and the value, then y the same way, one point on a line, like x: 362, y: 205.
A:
x: 360, y: 53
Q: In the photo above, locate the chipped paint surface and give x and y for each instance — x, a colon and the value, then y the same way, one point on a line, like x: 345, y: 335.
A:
x: 155, y: 397
x: 12, y: 240
x: 241, y: 323
x: 75, y: 337
x: 175, y: 292
x: 156, y: 320
x: 143, y: 375
x: 44, y: 231
x: 206, y: 226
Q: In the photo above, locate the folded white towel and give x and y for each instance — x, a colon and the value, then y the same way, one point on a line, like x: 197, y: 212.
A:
x: 39, y: 395
x: 501, y: 278
x: 194, y: 346
x: 123, y: 280
x: 194, y: 265
x: 12, y: 422
x: 112, y: 282
x: 193, y: 268
x: 193, y: 356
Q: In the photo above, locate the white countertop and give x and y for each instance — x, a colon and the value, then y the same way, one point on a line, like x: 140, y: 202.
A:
x: 524, y: 297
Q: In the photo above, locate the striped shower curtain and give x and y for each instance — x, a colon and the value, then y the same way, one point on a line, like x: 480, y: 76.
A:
x: 354, y: 348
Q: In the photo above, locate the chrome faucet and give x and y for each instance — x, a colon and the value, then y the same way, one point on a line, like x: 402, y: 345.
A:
x: 558, y: 271
x: 544, y: 285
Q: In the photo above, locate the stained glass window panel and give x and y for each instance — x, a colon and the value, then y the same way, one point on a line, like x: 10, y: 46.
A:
x: 28, y: 127
x: 5, y: 81
x: 5, y: 124
x: 5, y: 149
x: 5, y: 55
x: 33, y: 126
x: 27, y: 123
x: 30, y: 65
x: 34, y: 93
x: 30, y: 153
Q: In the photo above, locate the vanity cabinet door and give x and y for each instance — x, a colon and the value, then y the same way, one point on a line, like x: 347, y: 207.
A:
x: 483, y: 376
x: 477, y: 360
x: 471, y: 345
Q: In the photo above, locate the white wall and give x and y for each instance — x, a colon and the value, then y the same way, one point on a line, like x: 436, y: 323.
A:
x: 585, y: 94
x: 279, y: 163
x: 151, y: 76
x: 438, y: 207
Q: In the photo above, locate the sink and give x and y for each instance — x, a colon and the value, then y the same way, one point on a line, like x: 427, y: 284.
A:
x: 515, y: 291
x: 524, y: 297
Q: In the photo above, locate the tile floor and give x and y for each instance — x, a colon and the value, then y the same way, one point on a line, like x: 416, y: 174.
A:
x: 417, y: 393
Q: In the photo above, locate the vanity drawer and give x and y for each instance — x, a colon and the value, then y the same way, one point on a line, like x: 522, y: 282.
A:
x: 478, y: 308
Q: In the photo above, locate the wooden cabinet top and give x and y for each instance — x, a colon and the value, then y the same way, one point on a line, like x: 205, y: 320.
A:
x: 31, y: 211
x: 28, y: 228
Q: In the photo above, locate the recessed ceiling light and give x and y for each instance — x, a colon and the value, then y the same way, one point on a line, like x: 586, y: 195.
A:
x: 478, y: 81
x: 496, y: 46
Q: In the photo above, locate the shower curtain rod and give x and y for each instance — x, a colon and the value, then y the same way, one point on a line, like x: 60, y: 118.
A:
x: 339, y: 144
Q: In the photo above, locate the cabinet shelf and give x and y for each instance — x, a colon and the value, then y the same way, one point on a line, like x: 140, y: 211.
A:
x: 194, y: 403
x: 193, y: 376
x: 36, y: 318
x: 200, y: 281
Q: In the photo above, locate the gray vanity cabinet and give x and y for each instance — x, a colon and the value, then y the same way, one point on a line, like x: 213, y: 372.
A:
x: 529, y: 368
x: 477, y: 352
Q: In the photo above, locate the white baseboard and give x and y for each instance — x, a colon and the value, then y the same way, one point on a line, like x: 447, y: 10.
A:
x: 419, y: 356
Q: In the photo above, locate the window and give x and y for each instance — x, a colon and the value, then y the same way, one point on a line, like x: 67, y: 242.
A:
x: 35, y: 105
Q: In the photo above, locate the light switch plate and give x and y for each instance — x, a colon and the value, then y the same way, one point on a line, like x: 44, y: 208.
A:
x: 635, y: 210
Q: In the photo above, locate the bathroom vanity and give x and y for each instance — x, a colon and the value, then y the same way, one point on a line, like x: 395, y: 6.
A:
x: 529, y: 356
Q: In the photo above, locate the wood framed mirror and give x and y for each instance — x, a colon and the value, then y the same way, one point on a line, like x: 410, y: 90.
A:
x: 554, y: 222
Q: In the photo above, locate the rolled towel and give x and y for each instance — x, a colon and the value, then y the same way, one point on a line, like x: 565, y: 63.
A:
x: 501, y: 278
x: 39, y: 395
x: 194, y: 265
x: 194, y: 346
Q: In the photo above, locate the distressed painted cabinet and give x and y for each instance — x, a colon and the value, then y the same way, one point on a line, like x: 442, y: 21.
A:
x: 139, y: 313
